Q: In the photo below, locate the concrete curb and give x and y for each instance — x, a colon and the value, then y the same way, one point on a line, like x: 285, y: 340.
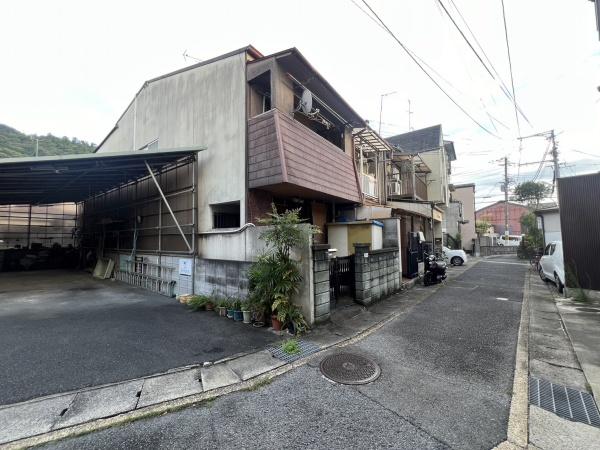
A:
x: 202, y: 397
x: 517, y: 436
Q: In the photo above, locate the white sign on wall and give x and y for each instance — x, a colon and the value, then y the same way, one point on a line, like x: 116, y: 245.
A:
x: 185, y: 267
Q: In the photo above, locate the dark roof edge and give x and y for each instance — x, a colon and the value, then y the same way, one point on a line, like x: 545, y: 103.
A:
x: 464, y: 185
x: 248, y: 49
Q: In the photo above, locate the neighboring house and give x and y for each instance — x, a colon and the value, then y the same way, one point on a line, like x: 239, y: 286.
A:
x: 548, y: 220
x: 494, y: 214
x: 579, y: 200
x: 465, y: 194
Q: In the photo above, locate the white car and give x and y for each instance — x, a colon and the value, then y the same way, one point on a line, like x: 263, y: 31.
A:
x: 456, y: 257
x: 510, y: 240
x: 552, y: 265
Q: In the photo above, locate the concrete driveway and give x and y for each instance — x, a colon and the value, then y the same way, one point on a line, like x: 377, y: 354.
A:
x: 62, y: 330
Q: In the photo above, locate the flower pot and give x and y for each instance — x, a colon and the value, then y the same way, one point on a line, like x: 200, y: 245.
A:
x: 230, y: 313
x: 258, y: 316
x: 222, y: 311
x: 247, y: 316
x: 238, y: 316
x: 209, y: 306
x: 276, y: 324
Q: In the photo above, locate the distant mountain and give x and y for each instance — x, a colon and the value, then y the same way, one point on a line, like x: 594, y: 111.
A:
x: 15, y: 144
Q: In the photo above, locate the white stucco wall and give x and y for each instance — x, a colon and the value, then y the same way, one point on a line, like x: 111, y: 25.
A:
x: 552, y: 227
x: 203, y: 106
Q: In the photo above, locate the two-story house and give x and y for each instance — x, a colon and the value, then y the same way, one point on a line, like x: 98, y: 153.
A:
x: 273, y: 131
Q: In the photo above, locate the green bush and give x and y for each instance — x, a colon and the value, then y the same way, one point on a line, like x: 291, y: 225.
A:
x: 198, y: 302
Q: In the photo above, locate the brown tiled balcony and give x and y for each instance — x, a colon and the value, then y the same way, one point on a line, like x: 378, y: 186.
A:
x: 287, y: 158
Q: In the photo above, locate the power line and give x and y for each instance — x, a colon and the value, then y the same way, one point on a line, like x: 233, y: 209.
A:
x: 502, y: 84
x: 512, y: 80
x: 427, y: 73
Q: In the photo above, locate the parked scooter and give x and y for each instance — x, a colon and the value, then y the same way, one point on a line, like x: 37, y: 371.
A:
x: 435, y: 270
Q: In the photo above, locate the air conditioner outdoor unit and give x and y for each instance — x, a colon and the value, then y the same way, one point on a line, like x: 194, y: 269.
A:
x: 395, y: 187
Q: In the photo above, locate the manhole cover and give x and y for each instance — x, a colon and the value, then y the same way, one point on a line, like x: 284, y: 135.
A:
x: 349, y: 368
x: 588, y: 310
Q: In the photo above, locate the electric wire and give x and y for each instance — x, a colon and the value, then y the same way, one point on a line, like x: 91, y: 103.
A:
x: 505, y: 90
x: 464, y: 111
x: 512, y: 79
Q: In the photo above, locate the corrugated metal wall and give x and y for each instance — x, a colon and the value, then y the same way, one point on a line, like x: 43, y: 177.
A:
x: 579, y: 199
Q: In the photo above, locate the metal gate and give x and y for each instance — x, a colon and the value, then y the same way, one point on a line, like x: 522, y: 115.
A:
x: 341, y: 278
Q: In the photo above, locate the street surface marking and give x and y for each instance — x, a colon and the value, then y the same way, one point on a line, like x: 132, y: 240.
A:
x: 502, y: 298
x: 505, y: 262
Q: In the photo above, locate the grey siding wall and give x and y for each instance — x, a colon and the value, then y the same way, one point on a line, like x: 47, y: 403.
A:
x: 204, y: 106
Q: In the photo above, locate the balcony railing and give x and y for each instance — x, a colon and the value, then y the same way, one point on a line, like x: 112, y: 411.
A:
x: 403, y: 188
x: 369, y: 185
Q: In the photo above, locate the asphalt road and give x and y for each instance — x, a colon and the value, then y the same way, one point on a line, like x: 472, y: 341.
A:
x: 447, y: 367
x: 61, y: 331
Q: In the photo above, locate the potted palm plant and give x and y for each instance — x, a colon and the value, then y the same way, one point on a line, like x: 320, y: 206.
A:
x: 274, y: 278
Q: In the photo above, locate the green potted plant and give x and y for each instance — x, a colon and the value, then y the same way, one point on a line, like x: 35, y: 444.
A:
x: 238, y: 316
x: 222, y: 308
x: 230, y: 309
x: 210, y: 303
x: 247, y: 311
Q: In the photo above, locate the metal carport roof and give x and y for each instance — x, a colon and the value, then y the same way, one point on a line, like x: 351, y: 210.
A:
x: 73, y: 178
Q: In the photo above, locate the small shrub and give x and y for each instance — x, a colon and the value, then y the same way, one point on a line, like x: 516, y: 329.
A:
x: 197, y: 302
x: 291, y: 347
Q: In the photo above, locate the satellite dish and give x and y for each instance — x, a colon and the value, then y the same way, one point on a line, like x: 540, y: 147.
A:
x: 306, y: 101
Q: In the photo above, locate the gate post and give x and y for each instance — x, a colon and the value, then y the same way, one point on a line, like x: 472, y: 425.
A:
x: 321, y: 281
x: 362, y: 274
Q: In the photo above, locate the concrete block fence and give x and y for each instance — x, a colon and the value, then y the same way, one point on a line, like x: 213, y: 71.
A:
x: 376, y: 273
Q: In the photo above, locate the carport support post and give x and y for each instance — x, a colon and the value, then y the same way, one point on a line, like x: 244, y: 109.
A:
x: 194, y: 213
x: 167, y: 205
x: 29, y: 228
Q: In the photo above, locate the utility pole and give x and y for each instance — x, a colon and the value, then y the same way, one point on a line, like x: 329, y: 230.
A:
x: 410, y: 128
x: 554, y: 155
x: 506, y: 231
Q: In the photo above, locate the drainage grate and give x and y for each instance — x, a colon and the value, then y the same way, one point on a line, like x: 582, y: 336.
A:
x: 565, y: 402
x: 306, y: 348
x: 349, y: 368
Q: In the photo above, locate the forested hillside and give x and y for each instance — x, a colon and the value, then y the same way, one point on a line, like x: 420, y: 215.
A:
x: 13, y: 144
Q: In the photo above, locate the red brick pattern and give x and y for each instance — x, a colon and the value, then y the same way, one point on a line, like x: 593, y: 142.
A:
x: 283, y: 150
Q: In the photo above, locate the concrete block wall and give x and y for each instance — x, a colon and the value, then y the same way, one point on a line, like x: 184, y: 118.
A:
x: 376, y: 273
x: 222, y: 278
x: 321, y: 282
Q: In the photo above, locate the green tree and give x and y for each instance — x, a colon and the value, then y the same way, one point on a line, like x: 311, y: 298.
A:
x: 532, y: 192
x: 481, y: 227
x: 533, y: 239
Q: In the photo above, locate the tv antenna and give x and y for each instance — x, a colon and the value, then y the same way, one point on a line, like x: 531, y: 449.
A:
x: 186, y: 55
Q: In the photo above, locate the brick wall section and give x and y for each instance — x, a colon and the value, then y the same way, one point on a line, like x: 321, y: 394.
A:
x: 321, y: 281
x: 376, y: 275
x: 259, y: 204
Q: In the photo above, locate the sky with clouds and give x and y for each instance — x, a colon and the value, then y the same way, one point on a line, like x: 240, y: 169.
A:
x: 71, y: 67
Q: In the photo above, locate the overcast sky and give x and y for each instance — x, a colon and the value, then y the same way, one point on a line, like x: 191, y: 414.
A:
x: 71, y: 67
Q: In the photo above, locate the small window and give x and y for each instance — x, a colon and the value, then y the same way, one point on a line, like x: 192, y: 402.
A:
x: 547, y: 250
x: 552, y: 248
x: 226, y: 215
